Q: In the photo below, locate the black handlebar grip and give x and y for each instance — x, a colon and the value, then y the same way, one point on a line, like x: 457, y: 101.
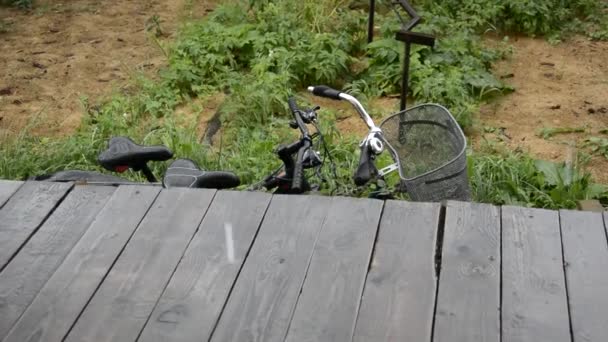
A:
x: 325, y: 91
x: 298, y: 171
x: 292, y: 104
x: 366, y: 169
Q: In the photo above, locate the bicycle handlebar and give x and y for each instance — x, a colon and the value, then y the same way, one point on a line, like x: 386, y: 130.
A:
x: 330, y: 93
x: 366, y: 169
x: 325, y: 91
x: 297, y: 115
x: 371, y: 146
x: 298, y: 171
x: 305, y: 143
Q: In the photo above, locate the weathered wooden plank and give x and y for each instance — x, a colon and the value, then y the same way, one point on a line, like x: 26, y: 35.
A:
x: 24, y: 212
x: 25, y: 275
x: 328, y: 306
x: 190, y: 306
x: 266, y: 291
x: 58, y: 304
x: 399, y: 295
x: 129, y: 293
x: 586, y: 259
x: 7, y: 189
x: 534, y: 304
x: 468, y: 301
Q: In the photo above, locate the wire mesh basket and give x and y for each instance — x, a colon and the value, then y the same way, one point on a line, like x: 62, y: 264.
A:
x: 430, y: 149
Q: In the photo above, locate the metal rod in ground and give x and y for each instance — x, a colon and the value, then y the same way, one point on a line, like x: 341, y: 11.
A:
x: 404, y: 91
x: 370, y: 23
x: 406, y: 76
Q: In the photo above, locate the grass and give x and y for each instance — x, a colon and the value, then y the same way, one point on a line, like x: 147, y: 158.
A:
x: 23, y: 4
x: 549, y: 132
x: 497, y: 176
x: 597, y: 145
x: 504, y: 177
x: 551, y: 18
x: 259, y: 52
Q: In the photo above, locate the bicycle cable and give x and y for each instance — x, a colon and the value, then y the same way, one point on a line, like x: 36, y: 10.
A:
x: 327, y: 154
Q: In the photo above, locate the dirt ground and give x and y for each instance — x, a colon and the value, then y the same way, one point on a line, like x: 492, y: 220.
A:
x: 62, y: 52
x: 562, y: 86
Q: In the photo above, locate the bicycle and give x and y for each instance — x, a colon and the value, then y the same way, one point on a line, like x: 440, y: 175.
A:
x: 426, y: 144
x: 123, y: 154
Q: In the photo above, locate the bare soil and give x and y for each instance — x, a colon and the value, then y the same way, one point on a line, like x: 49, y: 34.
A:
x: 60, y: 53
x: 562, y: 86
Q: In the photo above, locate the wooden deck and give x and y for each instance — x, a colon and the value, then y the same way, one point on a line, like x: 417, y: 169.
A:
x: 93, y: 263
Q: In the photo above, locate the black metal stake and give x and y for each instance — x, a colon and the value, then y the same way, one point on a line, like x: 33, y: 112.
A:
x: 406, y: 76
x: 404, y: 91
x: 409, y: 38
x: 370, y: 22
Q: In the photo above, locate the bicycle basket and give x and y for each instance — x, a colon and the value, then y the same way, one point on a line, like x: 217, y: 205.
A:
x: 430, y: 149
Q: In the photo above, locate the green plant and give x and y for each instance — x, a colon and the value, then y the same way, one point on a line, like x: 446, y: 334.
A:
x: 520, y: 180
x: 598, y: 145
x: 23, y: 4
x: 548, y: 132
x: 544, y: 17
x: 456, y: 73
x: 152, y: 26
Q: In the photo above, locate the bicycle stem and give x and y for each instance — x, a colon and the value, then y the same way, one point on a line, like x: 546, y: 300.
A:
x: 373, y: 139
x: 374, y: 131
x: 362, y: 112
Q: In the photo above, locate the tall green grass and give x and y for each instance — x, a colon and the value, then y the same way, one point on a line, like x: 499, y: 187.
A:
x: 520, y: 180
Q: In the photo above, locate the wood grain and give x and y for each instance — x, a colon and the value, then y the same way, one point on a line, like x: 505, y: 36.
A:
x: 468, y: 300
x: 399, y: 296
x: 129, y: 293
x: 21, y: 216
x: 7, y: 189
x: 25, y: 275
x: 64, y: 296
x: 265, y: 294
x: 328, y: 306
x: 190, y: 306
x: 586, y: 257
x: 534, y: 304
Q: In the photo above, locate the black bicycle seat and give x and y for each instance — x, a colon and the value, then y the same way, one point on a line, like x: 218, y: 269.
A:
x: 123, y: 153
x: 81, y: 176
x: 185, y: 173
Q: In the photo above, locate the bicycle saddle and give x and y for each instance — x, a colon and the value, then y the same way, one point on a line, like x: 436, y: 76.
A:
x: 185, y: 173
x: 122, y: 153
x: 81, y: 176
